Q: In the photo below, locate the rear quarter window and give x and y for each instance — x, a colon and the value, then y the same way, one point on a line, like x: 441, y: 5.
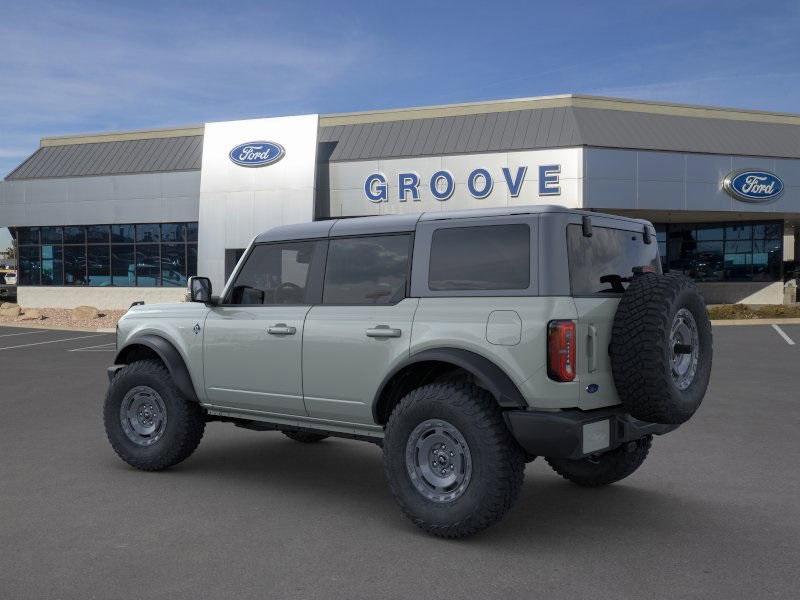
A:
x: 486, y: 257
x: 604, y: 263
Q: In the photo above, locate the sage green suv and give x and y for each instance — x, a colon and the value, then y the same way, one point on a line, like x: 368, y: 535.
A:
x: 464, y: 343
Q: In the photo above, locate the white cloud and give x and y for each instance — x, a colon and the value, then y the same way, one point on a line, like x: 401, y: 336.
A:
x: 83, y: 68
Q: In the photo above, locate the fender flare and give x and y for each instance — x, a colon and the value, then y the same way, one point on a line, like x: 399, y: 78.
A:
x: 171, y: 358
x: 489, y: 375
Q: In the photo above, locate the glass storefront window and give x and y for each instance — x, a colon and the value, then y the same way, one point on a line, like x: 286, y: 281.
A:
x: 97, y: 234
x: 148, y: 263
x: 739, y: 232
x: 75, y: 265
x: 123, y: 265
x: 98, y: 259
x: 122, y: 234
x: 148, y: 233
x: 27, y: 235
x: 52, y: 265
x: 739, y: 247
x: 744, y: 251
x: 74, y: 235
x: 191, y: 259
x: 709, y: 233
x: 191, y: 232
x: 51, y: 235
x: 146, y: 254
x: 29, y: 265
x: 172, y: 232
x: 173, y: 265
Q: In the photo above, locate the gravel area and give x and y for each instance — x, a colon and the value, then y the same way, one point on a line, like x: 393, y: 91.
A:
x: 62, y: 318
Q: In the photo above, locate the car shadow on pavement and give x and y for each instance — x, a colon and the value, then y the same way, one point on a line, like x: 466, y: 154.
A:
x: 349, y: 475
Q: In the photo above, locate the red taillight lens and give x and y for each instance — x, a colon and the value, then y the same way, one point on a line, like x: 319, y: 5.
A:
x: 561, y: 350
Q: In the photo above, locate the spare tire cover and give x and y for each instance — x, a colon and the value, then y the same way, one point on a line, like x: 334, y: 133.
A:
x: 661, y: 348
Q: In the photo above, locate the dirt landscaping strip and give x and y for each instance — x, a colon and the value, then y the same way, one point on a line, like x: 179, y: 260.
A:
x: 62, y: 318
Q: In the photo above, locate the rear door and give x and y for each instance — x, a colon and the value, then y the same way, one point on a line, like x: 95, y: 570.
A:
x: 600, y: 266
x: 361, y: 329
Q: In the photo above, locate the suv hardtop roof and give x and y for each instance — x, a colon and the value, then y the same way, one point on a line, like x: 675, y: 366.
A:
x: 349, y: 226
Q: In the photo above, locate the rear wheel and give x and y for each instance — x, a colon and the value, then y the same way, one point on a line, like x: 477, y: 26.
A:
x: 605, y: 468
x: 304, y: 436
x: 148, y: 422
x: 450, y: 461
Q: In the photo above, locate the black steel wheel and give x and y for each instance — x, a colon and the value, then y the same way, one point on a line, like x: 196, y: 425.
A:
x: 148, y: 422
x: 449, y: 459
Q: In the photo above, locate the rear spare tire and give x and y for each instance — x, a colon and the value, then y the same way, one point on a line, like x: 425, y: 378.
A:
x: 661, y: 348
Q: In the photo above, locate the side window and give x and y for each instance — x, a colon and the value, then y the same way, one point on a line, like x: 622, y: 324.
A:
x: 274, y: 274
x: 488, y: 257
x: 605, y: 262
x: 367, y: 270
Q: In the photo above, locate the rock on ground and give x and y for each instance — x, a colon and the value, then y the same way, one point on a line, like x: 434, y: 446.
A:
x: 31, y: 315
x: 10, y: 311
x: 82, y: 313
x: 8, y: 305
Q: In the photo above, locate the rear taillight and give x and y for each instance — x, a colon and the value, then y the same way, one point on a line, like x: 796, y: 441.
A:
x: 561, y: 350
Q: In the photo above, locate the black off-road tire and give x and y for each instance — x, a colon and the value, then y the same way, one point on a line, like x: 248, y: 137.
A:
x: 185, y: 421
x: 606, y: 468
x: 497, y: 461
x: 641, y: 348
x: 306, y: 437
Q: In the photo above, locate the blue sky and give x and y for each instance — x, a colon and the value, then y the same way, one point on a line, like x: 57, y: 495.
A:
x: 74, y: 67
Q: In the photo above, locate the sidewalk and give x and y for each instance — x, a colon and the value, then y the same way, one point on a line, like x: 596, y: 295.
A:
x: 770, y: 321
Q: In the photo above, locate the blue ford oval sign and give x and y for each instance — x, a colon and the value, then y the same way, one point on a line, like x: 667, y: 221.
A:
x: 257, y: 154
x: 753, y: 186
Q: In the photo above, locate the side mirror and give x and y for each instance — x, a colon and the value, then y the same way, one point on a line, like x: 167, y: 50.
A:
x: 200, y: 289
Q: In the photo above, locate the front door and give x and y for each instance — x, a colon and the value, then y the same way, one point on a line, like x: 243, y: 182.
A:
x: 253, y: 340
x: 361, y: 329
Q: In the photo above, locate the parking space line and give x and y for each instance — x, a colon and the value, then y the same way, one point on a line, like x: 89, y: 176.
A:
x: 2, y: 335
x: 82, y: 337
x: 97, y: 348
x: 782, y: 333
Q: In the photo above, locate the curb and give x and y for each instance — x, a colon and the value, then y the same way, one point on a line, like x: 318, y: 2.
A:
x: 773, y: 321
x: 40, y: 325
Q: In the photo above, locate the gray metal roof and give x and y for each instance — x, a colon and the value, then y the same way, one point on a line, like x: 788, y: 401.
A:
x: 182, y: 153
x: 561, y: 127
x: 648, y: 131
x: 512, y: 130
x: 507, y: 125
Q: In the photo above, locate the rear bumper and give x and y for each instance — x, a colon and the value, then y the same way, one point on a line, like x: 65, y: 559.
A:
x: 575, y: 434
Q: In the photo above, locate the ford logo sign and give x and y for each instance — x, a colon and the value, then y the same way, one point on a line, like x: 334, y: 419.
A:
x: 257, y: 154
x: 753, y: 186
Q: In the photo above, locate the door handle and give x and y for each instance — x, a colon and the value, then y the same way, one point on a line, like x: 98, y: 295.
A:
x: 592, y: 349
x: 383, y: 331
x: 281, y: 329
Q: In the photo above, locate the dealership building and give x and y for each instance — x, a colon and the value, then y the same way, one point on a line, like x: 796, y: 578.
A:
x: 109, y: 218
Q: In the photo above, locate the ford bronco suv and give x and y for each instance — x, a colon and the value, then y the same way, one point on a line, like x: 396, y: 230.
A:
x: 465, y: 343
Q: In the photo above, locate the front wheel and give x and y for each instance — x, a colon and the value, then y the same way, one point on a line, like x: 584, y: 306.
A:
x: 449, y: 459
x: 606, y: 468
x: 148, y: 422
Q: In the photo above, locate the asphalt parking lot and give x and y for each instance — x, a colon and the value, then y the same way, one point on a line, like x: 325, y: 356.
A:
x: 713, y: 513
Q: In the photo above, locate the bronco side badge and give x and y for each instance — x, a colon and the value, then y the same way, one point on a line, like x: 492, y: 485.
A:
x: 592, y: 388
